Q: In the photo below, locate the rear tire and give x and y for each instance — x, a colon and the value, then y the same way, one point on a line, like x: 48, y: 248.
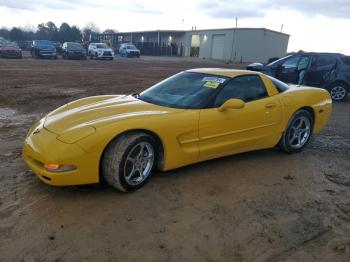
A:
x: 298, y: 132
x: 338, y: 91
x: 128, y: 161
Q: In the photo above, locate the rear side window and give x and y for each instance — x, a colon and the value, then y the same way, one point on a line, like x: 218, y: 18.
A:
x: 281, y: 87
x: 324, y: 60
x: 346, y: 60
x: 247, y: 88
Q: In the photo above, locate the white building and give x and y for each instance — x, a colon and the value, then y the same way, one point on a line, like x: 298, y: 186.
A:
x: 236, y: 44
x: 230, y: 44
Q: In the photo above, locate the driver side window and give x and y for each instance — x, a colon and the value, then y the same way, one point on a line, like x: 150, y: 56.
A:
x: 247, y: 88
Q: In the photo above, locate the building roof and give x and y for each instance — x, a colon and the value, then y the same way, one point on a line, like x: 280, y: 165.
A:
x: 241, y: 28
x: 201, y: 30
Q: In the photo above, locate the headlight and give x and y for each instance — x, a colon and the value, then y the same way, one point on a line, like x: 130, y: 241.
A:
x: 76, y: 133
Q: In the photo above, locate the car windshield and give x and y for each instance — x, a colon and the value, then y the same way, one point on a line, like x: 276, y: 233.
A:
x: 279, y: 60
x: 74, y: 45
x: 130, y: 47
x: 10, y: 45
x: 184, y: 90
x: 101, y: 46
x: 43, y: 43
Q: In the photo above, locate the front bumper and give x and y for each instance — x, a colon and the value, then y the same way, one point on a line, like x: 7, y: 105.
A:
x: 43, y: 147
x: 132, y: 54
x: 105, y: 54
x: 76, y: 55
x: 11, y: 54
x: 47, y: 54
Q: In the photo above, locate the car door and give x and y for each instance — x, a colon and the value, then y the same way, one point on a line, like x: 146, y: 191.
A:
x: 239, y: 130
x: 322, y: 66
x: 288, y: 70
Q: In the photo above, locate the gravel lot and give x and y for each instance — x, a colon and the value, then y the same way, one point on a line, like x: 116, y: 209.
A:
x: 258, y: 206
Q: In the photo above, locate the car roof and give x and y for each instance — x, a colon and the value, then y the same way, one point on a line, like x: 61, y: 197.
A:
x: 316, y: 53
x: 223, y: 72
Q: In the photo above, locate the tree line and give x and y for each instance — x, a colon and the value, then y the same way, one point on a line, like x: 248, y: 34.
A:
x: 49, y: 31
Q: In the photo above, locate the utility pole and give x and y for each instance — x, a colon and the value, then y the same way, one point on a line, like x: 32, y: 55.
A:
x: 233, y: 41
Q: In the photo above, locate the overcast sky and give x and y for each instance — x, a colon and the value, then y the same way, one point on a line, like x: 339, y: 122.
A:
x: 314, y: 25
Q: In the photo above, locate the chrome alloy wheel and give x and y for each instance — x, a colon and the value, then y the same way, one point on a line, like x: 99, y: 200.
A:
x: 299, y: 132
x: 338, y: 93
x: 139, y: 163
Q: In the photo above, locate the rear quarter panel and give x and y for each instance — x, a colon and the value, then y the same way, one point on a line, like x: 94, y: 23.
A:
x: 316, y: 99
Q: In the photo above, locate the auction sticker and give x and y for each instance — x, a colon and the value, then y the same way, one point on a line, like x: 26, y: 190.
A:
x: 213, y: 79
x: 211, y: 84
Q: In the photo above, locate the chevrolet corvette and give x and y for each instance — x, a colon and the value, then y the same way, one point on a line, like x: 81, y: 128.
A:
x: 193, y: 116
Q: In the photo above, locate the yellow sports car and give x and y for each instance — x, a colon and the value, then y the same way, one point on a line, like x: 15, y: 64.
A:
x: 193, y: 116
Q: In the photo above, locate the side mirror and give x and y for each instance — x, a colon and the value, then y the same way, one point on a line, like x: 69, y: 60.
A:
x: 279, y: 67
x: 232, y: 104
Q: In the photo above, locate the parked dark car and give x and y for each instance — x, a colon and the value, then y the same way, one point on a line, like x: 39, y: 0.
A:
x: 330, y: 71
x: 10, y: 50
x: 71, y: 50
x: 43, y: 49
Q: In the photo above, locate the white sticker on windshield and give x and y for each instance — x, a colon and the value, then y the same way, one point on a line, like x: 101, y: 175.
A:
x: 213, y: 79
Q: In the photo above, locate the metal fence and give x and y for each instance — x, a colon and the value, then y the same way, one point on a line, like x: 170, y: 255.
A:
x: 159, y: 49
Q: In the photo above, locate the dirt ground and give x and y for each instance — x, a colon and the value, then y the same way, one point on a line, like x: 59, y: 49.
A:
x: 258, y: 206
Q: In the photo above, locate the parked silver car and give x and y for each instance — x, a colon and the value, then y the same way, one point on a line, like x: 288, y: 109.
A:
x: 100, y: 51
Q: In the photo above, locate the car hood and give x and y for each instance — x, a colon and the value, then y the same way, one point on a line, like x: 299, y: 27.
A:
x: 104, y: 49
x: 45, y: 47
x: 75, y: 49
x: 133, y: 50
x: 99, y: 111
x: 10, y: 49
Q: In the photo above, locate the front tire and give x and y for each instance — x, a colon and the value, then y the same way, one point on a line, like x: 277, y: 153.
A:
x: 298, y: 132
x: 128, y: 161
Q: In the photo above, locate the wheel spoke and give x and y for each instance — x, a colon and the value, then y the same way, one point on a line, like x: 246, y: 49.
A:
x: 301, y: 123
x: 300, y: 140
x: 293, y: 139
x: 149, y: 156
x: 131, y: 173
x: 131, y: 159
x: 142, y: 148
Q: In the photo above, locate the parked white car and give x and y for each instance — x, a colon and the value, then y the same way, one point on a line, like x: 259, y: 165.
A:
x: 100, y: 51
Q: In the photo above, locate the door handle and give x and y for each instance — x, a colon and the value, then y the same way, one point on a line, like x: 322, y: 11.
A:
x: 271, y: 105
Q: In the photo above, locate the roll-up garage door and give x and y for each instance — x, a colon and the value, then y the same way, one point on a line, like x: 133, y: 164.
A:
x: 217, y: 50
